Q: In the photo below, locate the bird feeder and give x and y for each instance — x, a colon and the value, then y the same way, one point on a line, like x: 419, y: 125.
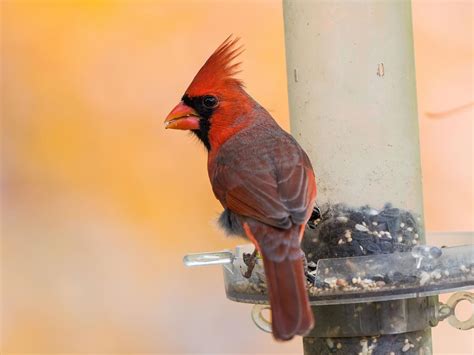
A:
x: 373, y: 304
x: 373, y: 281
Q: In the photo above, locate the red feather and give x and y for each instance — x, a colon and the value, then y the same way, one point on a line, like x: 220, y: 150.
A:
x: 264, y: 180
x: 218, y: 71
x: 263, y: 176
x: 291, y: 312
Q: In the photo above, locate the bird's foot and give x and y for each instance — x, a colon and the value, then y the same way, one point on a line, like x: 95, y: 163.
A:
x: 250, y: 260
x: 307, y: 271
x: 315, y: 218
x: 315, y: 214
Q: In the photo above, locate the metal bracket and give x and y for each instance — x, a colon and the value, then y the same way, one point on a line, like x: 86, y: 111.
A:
x: 448, y: 311
x: 444, y: 311
x: 260, y: 321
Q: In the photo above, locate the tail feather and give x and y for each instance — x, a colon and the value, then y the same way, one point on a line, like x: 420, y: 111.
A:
x: 284, y: 271
x: 291, y: 312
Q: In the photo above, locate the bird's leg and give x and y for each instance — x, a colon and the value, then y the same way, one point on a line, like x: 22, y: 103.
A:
x: 309, y: 276
x: 250, y: 260
x: 315, y: 214
x: 315, y: 218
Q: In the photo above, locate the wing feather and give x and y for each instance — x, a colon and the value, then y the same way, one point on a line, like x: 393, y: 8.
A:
x: 279, y: 191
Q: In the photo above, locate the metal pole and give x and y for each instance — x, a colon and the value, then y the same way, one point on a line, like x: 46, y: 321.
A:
x: 352, y: 95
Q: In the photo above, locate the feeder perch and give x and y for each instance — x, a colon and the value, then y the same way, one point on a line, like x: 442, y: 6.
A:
x: 373, y: 282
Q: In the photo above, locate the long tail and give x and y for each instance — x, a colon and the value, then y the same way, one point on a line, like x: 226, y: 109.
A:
x: 291, y: 312
x: 284, y: 271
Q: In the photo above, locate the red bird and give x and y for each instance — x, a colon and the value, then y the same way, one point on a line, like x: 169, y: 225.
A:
x: 260, y: 175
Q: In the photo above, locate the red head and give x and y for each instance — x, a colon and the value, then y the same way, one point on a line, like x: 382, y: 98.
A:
x: 214, y: 99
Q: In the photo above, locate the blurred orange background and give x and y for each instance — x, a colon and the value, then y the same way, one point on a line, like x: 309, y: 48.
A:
x: 100, y: 203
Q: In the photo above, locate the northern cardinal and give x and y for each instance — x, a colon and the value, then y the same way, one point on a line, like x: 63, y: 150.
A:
x: 261, y: 176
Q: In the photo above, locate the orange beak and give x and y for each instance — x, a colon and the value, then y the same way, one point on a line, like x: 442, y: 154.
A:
x: 182, y: 117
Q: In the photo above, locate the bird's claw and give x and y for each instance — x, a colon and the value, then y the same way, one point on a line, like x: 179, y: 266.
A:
x: 250, y: 260
x: 309, y: 276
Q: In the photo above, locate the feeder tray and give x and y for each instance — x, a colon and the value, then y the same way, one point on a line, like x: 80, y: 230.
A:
x: 397, y: 290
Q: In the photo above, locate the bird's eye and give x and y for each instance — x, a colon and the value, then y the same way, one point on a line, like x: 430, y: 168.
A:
x: 210, y: 101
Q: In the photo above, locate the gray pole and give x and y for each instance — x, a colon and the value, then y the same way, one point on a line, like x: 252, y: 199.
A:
x: 352, y: 96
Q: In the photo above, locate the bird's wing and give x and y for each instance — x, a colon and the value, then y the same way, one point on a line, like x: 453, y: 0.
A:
x: 278, y: 191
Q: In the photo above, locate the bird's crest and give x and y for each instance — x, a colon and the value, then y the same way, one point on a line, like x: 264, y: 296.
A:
x: 218, y: 69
